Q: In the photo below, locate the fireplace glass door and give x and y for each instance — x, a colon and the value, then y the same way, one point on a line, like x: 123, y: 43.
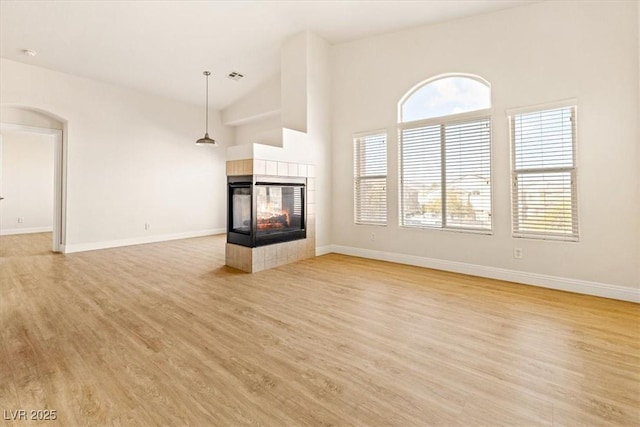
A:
x: 262, y: 211
x: 279, y: 209
x: 241, y: 213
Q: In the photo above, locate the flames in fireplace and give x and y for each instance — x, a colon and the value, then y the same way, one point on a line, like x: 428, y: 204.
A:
x: 272, y: 219
x: 272, y: 213
x: 265, y: 212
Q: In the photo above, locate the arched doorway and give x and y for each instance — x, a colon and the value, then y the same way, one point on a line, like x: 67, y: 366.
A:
x: 18, y: 120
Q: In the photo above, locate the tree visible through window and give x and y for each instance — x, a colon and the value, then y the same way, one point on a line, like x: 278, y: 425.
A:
x: 445, y: 155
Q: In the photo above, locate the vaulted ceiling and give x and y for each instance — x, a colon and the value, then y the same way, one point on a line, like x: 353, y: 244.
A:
x: 162, y: 47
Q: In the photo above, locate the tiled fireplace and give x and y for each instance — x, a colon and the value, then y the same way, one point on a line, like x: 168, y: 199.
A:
x: 271, y: 213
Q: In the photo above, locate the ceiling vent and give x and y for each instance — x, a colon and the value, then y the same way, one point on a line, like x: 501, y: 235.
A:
x: 234, y: 75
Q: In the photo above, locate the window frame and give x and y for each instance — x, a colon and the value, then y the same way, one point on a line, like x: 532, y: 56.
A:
x: 484, y: 114
x: 430, y: 80
x: 357, y: 140
x: 571, y: 170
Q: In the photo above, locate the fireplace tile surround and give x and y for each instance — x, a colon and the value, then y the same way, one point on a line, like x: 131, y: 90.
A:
x: 252, y: 260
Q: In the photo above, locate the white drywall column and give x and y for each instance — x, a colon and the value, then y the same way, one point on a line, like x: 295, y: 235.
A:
x: 294, y: 78
x: 319, y: 130
x: 306, y: 119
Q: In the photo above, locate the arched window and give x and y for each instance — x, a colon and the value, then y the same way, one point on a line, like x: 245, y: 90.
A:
x: 445, y: 96
x: 445, y: 154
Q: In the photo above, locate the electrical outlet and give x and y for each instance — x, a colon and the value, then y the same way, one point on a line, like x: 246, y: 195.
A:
x: 372, y: 237
x: 147, y: 226
x: 517, y: 253
x: 20, y: 220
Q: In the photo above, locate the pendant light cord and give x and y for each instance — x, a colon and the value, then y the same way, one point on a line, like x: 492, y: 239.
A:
x: 206, y: 73
x: 207, y: 109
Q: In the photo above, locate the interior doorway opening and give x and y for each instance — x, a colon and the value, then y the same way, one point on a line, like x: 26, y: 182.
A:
x: 33, y: 125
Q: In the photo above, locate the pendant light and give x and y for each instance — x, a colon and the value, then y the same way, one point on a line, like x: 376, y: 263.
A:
x: 206, y: 140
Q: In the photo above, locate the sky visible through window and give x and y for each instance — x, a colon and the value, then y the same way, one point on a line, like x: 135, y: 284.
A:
x: 446, y: 96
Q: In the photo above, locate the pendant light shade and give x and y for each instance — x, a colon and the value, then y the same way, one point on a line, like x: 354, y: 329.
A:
x: 206, y: 140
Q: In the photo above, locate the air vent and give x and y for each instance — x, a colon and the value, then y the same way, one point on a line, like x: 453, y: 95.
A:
x: 234, y: 75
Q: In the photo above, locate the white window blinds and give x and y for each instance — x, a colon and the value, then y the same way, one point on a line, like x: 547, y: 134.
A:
x: 446, y: 175
x: 544, y: 186
x: 370, y: 179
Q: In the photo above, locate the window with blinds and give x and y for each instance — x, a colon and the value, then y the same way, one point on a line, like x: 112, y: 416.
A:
x: 446, y: 175
x: 370, y: 178
x: 544, y: 185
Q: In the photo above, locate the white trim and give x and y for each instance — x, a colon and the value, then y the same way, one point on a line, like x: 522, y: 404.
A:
x: 323, y: 250
x: 59, y: 191
x: 367, y: 133
x: 486, y: 113
x: 451, y: 229
x: 571, y: 102
x: 82, y: 247
x: 553, y: 282
x: 24, y: 128
x: 12, y: 231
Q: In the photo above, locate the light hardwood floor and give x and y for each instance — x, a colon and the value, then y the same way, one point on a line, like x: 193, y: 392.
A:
x: 164, y: 334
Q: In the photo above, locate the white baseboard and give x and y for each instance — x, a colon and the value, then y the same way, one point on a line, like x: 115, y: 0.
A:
x: 553, y: 282
x: 82, y: 247
x: 12, y: 231
x: 323, y: 250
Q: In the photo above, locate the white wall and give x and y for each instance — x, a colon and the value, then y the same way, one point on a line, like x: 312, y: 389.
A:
x: 27, y: 182
x: 294, y: 77
x: 131, y: 158
x: 262, y: 102
x: 20, y: 116
x: 255, y: 118
x: 533, y: 54
x: 267, y: 130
